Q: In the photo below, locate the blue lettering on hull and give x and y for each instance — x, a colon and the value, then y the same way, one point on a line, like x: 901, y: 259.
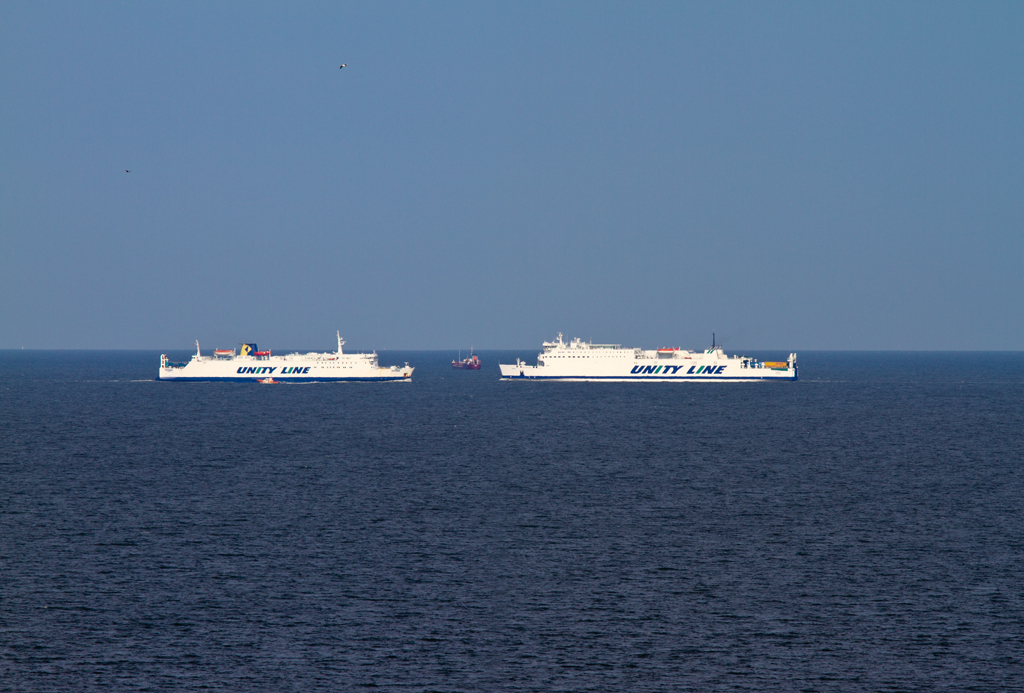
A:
x: 269, y: 370
x: 672, y: 370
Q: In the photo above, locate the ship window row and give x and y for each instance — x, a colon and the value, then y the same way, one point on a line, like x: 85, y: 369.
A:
x: 589, y: 356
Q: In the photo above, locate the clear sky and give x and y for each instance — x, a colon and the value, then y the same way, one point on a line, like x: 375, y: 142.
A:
x: 789, y: 175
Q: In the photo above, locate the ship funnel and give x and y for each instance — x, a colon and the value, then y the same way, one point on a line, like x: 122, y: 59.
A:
x: 248, y: 350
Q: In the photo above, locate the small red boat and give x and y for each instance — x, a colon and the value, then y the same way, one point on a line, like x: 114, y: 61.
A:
x: 472, y: 363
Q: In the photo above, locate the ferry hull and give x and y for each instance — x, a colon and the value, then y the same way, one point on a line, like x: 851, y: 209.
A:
x: 285, y: 379
x: 283, y: 370
x: 586, y: 362
x: 511, y: 372
x: 251, y: 366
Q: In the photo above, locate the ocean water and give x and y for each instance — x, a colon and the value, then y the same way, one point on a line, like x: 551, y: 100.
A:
x: 859, y: 530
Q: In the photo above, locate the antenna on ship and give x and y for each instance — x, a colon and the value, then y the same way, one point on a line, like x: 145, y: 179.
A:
x: 712, y: 340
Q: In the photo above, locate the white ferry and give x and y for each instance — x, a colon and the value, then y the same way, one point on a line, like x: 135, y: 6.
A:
x: 579, y: 360
x: 251, y: 365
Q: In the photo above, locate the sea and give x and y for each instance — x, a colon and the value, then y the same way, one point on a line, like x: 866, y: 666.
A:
x: 861, y: 529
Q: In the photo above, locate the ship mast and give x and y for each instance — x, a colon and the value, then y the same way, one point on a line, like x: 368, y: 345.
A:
x: 340, y: 342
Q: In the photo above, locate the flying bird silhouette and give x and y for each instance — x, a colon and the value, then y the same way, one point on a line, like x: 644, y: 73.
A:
x: 127, y: 171
x: 345, y: 65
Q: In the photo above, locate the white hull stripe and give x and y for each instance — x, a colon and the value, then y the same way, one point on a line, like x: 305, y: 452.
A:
x: 285, y: 379
x: 648, y: 379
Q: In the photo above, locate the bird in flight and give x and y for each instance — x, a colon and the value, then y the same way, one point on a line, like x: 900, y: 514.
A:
x: 127, y: 171
x: 345, y: 65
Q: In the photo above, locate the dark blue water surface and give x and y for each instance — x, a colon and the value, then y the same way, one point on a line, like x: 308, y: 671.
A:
x: 862, y: 529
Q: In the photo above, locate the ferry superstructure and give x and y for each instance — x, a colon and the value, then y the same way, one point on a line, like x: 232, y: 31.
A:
x: 252, y: 365
x: 585, y: 361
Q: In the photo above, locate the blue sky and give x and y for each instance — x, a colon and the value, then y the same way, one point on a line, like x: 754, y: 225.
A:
x: 788, y: 175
